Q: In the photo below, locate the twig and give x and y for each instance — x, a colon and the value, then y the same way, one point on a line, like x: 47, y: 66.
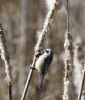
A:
x: 5, y: 58
x: 37, y: 48
x: 68, y: 65
x: 82, y: 84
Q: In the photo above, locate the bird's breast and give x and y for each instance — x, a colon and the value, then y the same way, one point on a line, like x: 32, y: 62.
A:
x: 40, y: 63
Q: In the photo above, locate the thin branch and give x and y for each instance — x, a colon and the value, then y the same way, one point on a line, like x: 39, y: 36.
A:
x: 5, y: 58
x: 82, y: 84
x: 38, y: 46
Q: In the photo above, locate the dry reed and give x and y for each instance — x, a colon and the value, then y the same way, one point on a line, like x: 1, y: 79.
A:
x: 5, y: 58
x: 38, y: 47
x: 78, y: 64
x: 81, y: 95
x: 68, y: 66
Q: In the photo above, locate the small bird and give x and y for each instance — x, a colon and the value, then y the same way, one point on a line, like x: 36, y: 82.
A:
x: 43, y: 63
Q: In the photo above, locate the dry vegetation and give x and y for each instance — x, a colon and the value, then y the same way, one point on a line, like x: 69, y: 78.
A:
x: 22, y: 22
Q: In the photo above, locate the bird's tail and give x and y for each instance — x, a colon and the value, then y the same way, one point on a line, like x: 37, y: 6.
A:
x: 41, y: 82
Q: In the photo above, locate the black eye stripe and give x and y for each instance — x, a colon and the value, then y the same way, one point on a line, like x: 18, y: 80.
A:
x: 46, y: 51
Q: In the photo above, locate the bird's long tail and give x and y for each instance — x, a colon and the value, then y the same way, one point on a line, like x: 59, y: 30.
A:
x: 41, y: 82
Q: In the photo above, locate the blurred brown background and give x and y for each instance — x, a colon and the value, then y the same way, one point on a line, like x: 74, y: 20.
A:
x: 22, y: 20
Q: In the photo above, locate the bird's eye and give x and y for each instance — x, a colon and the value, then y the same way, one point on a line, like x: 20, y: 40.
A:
x: 46, y: 51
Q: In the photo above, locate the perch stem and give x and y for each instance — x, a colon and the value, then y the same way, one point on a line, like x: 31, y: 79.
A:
x: 28, y: 80
x: 37, y: 47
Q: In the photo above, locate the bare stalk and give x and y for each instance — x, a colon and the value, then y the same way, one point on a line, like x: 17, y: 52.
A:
x: 68, y: 66
x: 73, y: 23
x: 38, y: 47
x: 23, y: 43
x: 82, y: 84
x: 5, y: 58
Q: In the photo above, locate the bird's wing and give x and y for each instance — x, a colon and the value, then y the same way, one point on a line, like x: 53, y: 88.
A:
x: 47, y: 63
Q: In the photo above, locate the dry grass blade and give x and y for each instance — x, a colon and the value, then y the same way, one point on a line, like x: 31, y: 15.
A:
x: 5, y: 58
x: 38, y: 47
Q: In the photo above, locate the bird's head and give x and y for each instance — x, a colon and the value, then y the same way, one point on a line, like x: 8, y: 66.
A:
x: 48, y: 51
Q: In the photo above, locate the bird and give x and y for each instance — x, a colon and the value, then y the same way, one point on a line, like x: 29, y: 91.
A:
x: 43, y: 63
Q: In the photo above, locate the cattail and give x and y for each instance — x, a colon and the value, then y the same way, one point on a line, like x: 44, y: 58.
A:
x: 4, y: 55
x: 50, y: 3
x: 45, y: 26
x: 68, y: 66
x: 5, y: 58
